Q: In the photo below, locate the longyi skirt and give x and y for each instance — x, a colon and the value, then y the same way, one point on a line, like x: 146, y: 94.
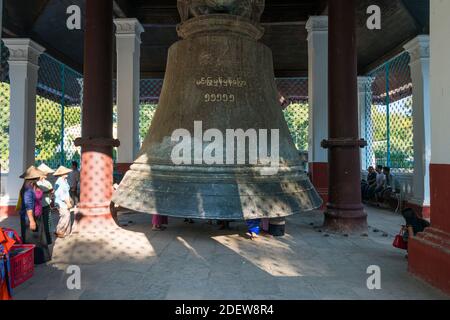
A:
x: 37, y: 237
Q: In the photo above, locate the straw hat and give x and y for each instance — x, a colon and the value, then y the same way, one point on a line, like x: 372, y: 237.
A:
x: 62, y: 171
x: 46, y: 169
x: 32, y: 173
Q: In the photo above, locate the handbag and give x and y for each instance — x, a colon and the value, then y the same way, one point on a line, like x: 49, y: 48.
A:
x: 399, y: 241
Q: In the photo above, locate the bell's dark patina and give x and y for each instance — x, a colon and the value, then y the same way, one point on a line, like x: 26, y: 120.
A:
x: 219, y: 75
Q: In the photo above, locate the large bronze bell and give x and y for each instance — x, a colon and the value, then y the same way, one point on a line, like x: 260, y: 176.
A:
x: 218, y: 77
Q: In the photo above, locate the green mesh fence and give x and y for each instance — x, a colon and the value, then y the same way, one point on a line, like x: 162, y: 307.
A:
x: 58, y: 113
x: 388, y: 115
x: 150, y: 90
x: 294, y: 98
x: 4, y: 109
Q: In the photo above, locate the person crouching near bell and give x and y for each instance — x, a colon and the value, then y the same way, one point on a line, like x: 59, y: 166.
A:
x: 63, y: 202
x: 253, y: 227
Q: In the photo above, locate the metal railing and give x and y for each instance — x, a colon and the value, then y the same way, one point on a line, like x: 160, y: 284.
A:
x: 388, y: 115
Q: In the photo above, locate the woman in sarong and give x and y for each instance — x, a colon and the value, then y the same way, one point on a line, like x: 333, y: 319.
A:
x: 31, y: 220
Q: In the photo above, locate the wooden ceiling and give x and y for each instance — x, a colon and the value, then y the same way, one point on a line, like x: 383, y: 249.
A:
x: 284, y: 21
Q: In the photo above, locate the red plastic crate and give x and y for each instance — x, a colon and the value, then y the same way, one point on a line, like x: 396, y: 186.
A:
x: 22, y: 265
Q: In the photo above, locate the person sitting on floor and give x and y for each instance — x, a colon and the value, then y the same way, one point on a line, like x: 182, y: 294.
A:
x: 253, y: 226
x: 417, y: 223
x: 371, y: 176
x: 366, y: 184
x: 378, y: 185
x: 414, y: 223
x: 390, y: 185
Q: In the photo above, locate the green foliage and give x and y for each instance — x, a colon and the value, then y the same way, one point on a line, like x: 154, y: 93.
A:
x: 146, y: 113
x: 48, y: 130
x: 4, y: 126
x: 49, y: 134
x: 400, y: 137
x: 297, y: 116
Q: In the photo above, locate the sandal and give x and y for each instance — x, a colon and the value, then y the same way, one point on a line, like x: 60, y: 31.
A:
x: 161, y: 228
x: 252, y: 235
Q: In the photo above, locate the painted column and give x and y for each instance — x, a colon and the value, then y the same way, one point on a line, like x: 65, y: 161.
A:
x: 419, y: 52
x: 128, y: 46
x: 317, y: 27
x: 429, y: 252
x: 23, y: 73
x: 97, y: 120
x: 344, y: 212
x: 363, y: 96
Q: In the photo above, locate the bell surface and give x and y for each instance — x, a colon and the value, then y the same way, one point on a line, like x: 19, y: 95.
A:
x: 218, y: 77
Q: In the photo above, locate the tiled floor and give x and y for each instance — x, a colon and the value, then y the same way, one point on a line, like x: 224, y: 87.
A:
x: 197, y: 261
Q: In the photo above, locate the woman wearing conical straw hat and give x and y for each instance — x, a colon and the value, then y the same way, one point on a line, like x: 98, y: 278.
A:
x: 31, y: 220
x: 47, y: 189
x: 63, y: 202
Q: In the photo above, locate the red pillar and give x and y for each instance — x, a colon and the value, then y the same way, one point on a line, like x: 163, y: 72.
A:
x: 344, y: 212
x: 97, y: 141
x: 318, y: 173
x: 429, y: 251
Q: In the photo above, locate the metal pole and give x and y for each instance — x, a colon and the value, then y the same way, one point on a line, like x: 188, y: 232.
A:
x: 63, y: 93
x: 388, y: 127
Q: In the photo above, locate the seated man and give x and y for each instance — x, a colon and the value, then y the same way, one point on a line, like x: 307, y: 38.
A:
x: 379, y: 183
x: 366, y: 184
x: 371, y: 176
x: 390, y: 185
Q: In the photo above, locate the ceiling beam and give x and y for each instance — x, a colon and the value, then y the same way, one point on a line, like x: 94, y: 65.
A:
x: 386, y: 57
x: 41, y: 9
x: 120, y: 9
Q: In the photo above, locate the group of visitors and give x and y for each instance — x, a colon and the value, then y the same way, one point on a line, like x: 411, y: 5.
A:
x: 380, y: 184
x: 36, y: 198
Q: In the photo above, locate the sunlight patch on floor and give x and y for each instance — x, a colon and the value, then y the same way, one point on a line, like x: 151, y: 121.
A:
x: 104, y: 245
x: 268, y: 254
